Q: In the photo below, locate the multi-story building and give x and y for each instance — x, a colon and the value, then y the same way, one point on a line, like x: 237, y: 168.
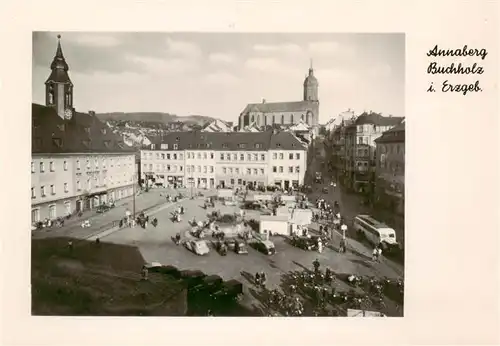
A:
x: 352, y: 148
x: 162, y: 165
x: 287, y: 161
x: 77, y: 163
x: 232, y: 159
x: 390, y: 171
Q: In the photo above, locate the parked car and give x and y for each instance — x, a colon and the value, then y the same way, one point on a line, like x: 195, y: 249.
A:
x: 265, y: 246
x: 303, y: 243
x: 230, y: 243
x: 199, y: 247
x: 252, y: 205
x: 103, y: 208
x: 240, y: 247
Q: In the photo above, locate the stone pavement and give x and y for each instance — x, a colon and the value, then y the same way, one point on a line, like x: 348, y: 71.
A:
x: 102, y: 222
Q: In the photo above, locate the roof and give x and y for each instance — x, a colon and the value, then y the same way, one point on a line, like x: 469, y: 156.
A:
x: 377, y: 119
x: 394, y: 135
x: 59, y: 76
x: 274, y: 218
x: 82, y: 133
x: 273, y: 107
x: 301, y: 216
x: 59, y: 67
x: 228, y: 141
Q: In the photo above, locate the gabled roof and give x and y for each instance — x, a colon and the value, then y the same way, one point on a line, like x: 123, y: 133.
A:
x: 230, y: 141
x: 272, y: 107
x: 81, y: 134
x: 377, y: 119
x: 394, y: 135
x: 285, y: 141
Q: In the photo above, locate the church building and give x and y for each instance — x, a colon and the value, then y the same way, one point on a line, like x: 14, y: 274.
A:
x: 77, y: 163
x: 285, y: 114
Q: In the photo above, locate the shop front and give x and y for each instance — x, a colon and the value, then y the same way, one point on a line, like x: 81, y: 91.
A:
x: 278, y: 183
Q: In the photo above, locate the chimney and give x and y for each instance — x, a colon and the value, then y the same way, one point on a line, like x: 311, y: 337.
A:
x: 263, y: 100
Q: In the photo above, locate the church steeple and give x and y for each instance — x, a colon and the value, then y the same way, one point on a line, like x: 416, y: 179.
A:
x: 58, y: 87
x: 311, y: 86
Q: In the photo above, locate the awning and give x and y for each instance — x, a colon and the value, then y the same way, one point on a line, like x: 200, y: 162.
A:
x: 95, y: 194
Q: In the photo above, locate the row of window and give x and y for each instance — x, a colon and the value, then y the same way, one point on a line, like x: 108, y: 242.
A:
x: 52, y: 166
x: 290, y: 156
x: 249, y: 171
x: 280, y: 169
x: 199, y: 156
x: 97, y: 183
x: 163, y: 156
x: 43, y: 190
x: 274, y: 118
x: 234, y: 156
x: 394, y: 149
x: 206, y: 169
x: 163, y: 168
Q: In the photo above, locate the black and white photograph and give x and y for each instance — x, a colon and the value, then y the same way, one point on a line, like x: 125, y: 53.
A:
x: 218, y: 174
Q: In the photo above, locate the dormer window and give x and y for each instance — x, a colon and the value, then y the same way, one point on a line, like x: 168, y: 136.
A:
x: 152, y: 147
x: 164, y: 146
x: 278, y: 145
x: 242, y: 145
x: 224, y: 145
x: 177, y: 139
x: 87, y: 129
x: 257, y: 145
x: 57, y: 142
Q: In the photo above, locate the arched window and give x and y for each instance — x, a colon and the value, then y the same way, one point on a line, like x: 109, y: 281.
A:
x: 274, y: 119
x: 51, y: 97
x: 282, y: 118
x: 302, y: 117
x: 291, y: 118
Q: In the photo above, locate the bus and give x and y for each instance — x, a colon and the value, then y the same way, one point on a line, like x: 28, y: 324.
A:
x: 375, y: 232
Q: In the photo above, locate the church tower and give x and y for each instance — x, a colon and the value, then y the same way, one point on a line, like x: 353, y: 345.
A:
x: 311, y: 86
x: 311, y: 96
x: 58, y: 87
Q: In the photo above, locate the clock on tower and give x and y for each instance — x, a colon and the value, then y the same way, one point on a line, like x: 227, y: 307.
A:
x: 68, y: 113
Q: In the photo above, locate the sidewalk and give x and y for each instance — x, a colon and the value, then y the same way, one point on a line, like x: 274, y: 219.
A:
x: 100, y: 222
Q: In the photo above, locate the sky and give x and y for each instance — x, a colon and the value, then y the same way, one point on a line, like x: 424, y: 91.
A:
x: 218, y: 74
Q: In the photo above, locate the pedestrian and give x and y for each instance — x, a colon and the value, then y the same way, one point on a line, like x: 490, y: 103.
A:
x: 375, y: 254
x: 144, y: 273
x: 379, y: 252
x: 320, y: 246
x: 316, y: 265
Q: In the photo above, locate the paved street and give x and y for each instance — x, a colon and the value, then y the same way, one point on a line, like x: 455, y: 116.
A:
x: 350, y: 202
x: 100, y: 222
x: 156, y: 245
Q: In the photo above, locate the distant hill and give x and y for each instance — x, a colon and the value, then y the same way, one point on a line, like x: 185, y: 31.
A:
x: 155, y: 117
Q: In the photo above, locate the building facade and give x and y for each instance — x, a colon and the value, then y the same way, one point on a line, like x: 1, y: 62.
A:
x: 353, y: 152
x: 163, y: 166
x: 390, y: 171
x: 76, y: 162
x: 227, y: 160
x: 268, y: 114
